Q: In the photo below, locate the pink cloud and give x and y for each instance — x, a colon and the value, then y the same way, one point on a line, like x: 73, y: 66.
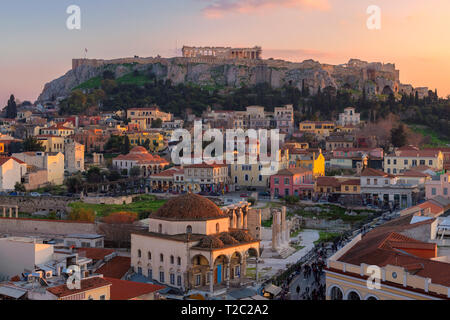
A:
x: 218, y: 8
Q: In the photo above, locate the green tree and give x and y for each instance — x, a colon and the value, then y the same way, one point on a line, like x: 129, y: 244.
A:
x: 11, y: 108
x: 398, y: 136
x: 74, y: 184
x: 126, y: 146
x: 19, y: 187
x: 32, y: 144
x: 157, y: 123
x: 94, y: 175
x: 135, y: 172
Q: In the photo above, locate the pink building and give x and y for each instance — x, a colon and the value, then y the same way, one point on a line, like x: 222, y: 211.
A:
x: 292, y: 182
x: 438, y: 186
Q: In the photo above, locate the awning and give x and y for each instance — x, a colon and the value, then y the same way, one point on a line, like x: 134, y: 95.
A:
x: 273, y: 290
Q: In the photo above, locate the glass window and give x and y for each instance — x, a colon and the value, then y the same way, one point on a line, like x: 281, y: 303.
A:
x: 161, y: 276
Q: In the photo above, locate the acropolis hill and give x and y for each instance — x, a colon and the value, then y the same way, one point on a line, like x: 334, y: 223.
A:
x: 225, y: 67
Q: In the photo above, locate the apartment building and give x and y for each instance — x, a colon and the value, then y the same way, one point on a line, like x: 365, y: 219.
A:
x: 404, y: 257
x: 53, y: 162
x: 144, y: 117
x: 404, y: 159
x: 349, y: 118
x: 319, y: 128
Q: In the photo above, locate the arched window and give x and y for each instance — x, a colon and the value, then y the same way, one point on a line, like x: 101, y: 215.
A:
x: 353, y: 296
x: 172, y: 260
x: 189, y: 229
x: 179, y: 261
x: 139, y: 253
x: 149, y: 255
x: 161, y: 257
x: 336, y: 294
x: 217, y: 228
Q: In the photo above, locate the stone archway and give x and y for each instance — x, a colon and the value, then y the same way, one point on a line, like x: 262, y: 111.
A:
x: 219, y: 269
x: 353, y: 295
x: 336, y: 293
x: 198, y: 273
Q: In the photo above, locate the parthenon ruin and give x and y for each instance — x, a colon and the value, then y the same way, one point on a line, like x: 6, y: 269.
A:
x: 223, y: 52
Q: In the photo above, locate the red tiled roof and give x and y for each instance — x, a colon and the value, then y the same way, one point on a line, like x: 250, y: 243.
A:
x: 206, y: 166
x: 95, y: 253
x: 129, y: 290
x: 142, y: 156
x: 3, y: 160
x: 293, y: 171
x: 351, y: 182
x: 427, y: 153
x: 116, y: 268
x: 369, y: 172
x: 434, y: 208
x: 86, y: 285
x: 382, y: 246
x: 327, y: 181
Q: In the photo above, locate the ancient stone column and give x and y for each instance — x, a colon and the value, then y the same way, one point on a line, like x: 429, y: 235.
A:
x: 10, y: 213
x: 4, y: 212
x: 274, y: 231
x: 211, y: 281
x: 283, y: 225
x: 228, y: 273
x: 239, y: 218
x: 279, y: 229
x: 257, y: 274
x: 17, y: 212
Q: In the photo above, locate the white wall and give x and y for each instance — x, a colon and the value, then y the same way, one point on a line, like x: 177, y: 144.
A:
x: 16, y: 255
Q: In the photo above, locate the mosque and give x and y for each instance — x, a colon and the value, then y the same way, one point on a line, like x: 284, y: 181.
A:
x: 192, y: 244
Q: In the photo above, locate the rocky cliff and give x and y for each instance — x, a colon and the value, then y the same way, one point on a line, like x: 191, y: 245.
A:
x: 375, y: 78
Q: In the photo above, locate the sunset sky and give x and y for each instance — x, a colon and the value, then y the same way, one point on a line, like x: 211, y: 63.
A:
x: 36, y: 47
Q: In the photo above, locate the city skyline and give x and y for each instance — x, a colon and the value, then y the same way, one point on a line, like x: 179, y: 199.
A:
x: 38, y: 47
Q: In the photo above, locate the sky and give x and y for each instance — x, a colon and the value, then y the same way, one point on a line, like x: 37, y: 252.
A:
x: 37, y: 47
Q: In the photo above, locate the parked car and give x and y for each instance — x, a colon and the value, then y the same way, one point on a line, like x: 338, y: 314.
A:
x: 46, y: 194
x: 13, y: 194
x: 251, y: 189
x: 35, y: 194
x: 264, y: 194
x: 214, y: 194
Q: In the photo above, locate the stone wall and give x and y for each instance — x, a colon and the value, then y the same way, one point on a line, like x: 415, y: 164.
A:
x: 23, y: 227
x: 254, y: 223
x: 33, y: 204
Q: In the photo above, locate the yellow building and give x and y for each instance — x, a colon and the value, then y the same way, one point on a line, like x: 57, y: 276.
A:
x: 399, y: 260
x: 52, y: 143
x: 351, y: 186
x: 320, y: 128
x: 258, y: 175
x: 145, y: 116
x: 156, y: 140
x: 311, y: 159
x: 2, y: 147
x: 405, y: 159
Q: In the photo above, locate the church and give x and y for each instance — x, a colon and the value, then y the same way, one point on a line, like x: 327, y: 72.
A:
x: 192, y: 244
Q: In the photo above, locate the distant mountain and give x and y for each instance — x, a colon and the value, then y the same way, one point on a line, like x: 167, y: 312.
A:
x: 356, y: 75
